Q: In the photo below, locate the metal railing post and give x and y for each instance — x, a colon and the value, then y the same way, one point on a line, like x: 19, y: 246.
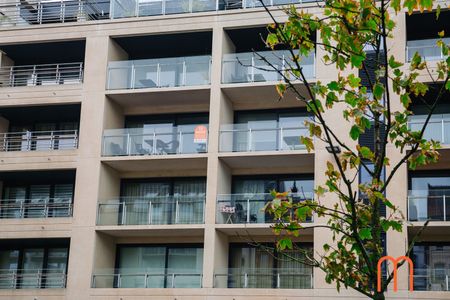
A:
x: 62, y: 10
x: 280, y: 147
x: 447, y: 282
x: 51, y: 147
x: 252, y: 74
x: 128, y: 148
x: 22, y: 210
x: 180, y: 147
x: 184, y: 69
x: 173, y: 280
x: 442, y: 131
x: 124, y: 213
x: 245, y: 280
x: 248, y: 210
x: 158, y: 73
x: 119, y: 280
x: 444, y: 208
x: 177, y: 212
x: 249, y: 147
x: 146, y: 280
x: 133, y: 76
x: 154, y: 142
x: 278, y: 281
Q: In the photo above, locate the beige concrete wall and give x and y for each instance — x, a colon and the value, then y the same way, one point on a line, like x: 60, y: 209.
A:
x: 99, y: 178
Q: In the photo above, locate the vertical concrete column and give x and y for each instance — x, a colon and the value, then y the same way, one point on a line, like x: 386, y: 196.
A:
x: 82, y: 244
x: 335, y: 120
x: 397, y: 191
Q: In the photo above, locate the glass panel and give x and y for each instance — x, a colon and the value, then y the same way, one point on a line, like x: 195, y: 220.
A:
x: 33, y: 260
x: 63, y: 196
x: 123, y: 8
x: 429, y: 198
x: 8, y: 263
x: 56, y: 268
x: 135, y: 262
x: 14, y: 198
x: 177, y: 6
x: 66, y: 139
x: 150, y: 7
x: 43, y: 139
x: 186, y: 265
x: 431, y: 266
x: 190, y: 206
x: 146, y: 74
x: 39, y: 198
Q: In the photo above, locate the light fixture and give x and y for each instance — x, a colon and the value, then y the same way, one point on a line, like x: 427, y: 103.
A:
x: 333, y: 149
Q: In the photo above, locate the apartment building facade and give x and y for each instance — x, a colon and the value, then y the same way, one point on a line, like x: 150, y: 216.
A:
x: 139, y: 142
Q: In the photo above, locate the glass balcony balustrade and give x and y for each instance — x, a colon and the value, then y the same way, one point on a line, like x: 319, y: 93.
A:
x: 249, y: 208
x: 427, y: 49
x: 32, y: 279
x: 153, y: 141
x: 431, y: 279
x: 159, y: 73
x: 262, y: 136
x: 147, y: 278
x: 45, y: 74
x: 152, y: 210
x: 433, y: 205
x: 39, y: 140
x: 263, y: 66
x: 280, y: 278
x: 438, y: 128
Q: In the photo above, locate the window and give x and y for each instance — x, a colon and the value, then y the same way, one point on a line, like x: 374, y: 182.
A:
x: 256, y: 267
x: 164, y: 201
x: 431, y: 266
x: 177, y: 266
x: 36, y: 265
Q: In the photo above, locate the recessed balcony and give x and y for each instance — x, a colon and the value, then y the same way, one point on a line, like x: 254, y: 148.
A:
x: 155, y: 141
x: 32, y: 279
x: 39, y: 140
x: 248, y: 208
x: 159, y: 73
x: 152, y: 211
x: 262, y: 66
x: 33, y: 208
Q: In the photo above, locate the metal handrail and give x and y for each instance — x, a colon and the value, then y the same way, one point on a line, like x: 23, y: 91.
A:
x: 39, y: 140
x: 43, y: 74
x: 37, y: 278
x: 36, y: 12
x: 29, y: 208
x: 116, y: 277
x: 436, y: 279
x: 443, y: 121
x: 136, y: 211
x: 432, y: 45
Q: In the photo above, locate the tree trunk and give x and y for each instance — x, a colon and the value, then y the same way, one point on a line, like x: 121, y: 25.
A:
x: 378, y: 296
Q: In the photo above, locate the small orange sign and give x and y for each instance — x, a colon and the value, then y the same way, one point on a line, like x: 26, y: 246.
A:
x: 395, y: 262
x: 200, y: 134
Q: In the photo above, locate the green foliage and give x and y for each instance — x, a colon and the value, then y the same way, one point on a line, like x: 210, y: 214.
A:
x: 345, y: 29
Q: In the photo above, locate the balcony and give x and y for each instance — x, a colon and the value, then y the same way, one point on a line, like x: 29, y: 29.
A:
x: 249, y: 208
x: 427, y: 49
x: 35, y: 208
x: 433, y: 205
x: 279, y: 278
x: 39, y: 140
x: 159, y: 73
x: 261, y: 136
x: 438, y: 127
x: 152, y: 211
x: 431, y: 280
x: 147, y: 278
x: 36, y: 12
x: 45, y: 74
x: 153, y: 141
x: 251, y: 67
x: 32, y: 279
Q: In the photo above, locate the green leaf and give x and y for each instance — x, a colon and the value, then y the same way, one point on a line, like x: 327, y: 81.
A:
x: 356, y: 60
x: 365, y: 234
x: 285, y: 243
x: 366, y: 152
x: 393, y: 63
x: 378, y: 91
x: 354, y: 132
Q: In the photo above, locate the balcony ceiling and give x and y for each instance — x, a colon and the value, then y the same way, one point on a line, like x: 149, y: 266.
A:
x: 167, y: 45
x: 162, y: 100
x: 45, y: 53
x: 260, y: 96
x: 272, y: 162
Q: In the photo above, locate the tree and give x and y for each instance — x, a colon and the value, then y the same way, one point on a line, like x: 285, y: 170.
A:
x: 345, y: 30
